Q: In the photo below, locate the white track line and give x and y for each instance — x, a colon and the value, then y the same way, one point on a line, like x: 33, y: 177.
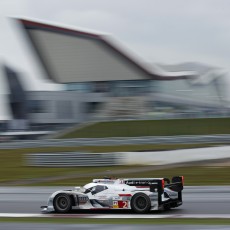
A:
x: 132, y: 216
x: 20, y: 215
x: 194, y: 216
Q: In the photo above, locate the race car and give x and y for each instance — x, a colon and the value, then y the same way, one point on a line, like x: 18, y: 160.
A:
x: 140, y: 195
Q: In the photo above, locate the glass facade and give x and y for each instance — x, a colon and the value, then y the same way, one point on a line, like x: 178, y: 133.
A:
x: 38, y: 106
x: 84, y: 87
x: 130, y: 88
x: 185, y: 89
x: 115, y: 88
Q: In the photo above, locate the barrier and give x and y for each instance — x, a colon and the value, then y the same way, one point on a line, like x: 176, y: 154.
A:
x: 72, y: 159
x: 117, y: 141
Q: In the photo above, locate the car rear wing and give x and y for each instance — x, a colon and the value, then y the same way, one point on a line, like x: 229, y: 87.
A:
x: 158, y: 184
x: 177, y: 183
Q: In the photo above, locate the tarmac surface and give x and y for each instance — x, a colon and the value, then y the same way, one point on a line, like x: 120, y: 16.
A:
x: 196, y: 200
x: 34, y: 226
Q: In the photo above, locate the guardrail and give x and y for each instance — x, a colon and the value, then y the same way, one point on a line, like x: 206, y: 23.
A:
x: 116, y: 141
x: 72, y: 159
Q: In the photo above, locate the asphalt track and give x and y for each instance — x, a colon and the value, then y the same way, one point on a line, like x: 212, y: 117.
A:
x: 197, y: 200
x: 29, y: 226
x: 34, y: 226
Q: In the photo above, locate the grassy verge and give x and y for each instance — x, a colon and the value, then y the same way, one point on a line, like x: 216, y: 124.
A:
x: 201, y: 126
x: 167, y: 221
x: 13, y: 166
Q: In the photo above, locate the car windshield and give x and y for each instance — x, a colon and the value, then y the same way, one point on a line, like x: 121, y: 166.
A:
x: 88, y: 190
x: 96, y: 189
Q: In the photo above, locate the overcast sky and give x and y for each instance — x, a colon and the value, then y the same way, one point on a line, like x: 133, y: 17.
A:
x: 160, y: 31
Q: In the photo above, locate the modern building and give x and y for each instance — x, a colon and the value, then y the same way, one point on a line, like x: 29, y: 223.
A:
x: 13, y: 99
x: 103, y: 80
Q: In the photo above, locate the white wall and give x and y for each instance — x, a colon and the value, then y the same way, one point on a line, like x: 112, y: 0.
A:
x: 174, y: 156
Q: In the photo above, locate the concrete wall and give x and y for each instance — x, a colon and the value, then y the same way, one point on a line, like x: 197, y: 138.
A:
x: 174, y: 156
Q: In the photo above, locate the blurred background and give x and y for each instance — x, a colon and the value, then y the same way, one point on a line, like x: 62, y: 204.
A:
x: 55, y: 75
x: 114, y: 88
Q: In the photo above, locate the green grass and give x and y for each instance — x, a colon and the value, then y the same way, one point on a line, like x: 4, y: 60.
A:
x: 140, y: 221
x: 13, y: 165
x: 199, y: 126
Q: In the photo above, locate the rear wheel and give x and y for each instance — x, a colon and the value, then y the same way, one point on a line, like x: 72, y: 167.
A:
x: 167, y: 207
x: 62, y: 203
x: 140, y: 203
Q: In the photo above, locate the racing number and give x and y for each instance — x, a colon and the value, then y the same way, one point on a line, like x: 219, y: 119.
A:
x: 125, y: 204
x: 120, y: 204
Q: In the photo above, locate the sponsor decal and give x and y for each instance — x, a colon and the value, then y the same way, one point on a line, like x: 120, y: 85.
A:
x: 120, y: 204
x: 115, y: 204
x: 83, y: 199
x: 116, y: 198
x: 140, y: 182
x: 142, y: 186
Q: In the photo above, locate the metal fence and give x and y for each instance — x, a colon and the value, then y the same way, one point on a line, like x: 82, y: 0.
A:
x: 116, y: 141
x: 72, y: 159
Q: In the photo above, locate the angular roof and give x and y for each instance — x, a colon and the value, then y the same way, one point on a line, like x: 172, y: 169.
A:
x: 71, y: 55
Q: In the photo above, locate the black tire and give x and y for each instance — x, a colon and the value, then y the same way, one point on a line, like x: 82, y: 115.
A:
x: 62, y: 203
x: 167, y: 207
x: 140, y: 203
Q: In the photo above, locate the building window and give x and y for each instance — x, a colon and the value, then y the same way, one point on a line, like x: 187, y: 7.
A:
x: 37, y: 106
x: 100, y: 87
x: 84, y: 87
x: 130, y: 88
x: 92, y: 107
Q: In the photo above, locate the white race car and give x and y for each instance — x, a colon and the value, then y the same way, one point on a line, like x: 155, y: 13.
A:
x: 138, y: 194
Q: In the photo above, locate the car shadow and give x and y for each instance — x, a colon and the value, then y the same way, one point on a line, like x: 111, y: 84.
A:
x: 120, y: 212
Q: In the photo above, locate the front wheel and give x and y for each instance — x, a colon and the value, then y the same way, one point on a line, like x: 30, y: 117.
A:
x: 62, y: 203
x: 140, y: 203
